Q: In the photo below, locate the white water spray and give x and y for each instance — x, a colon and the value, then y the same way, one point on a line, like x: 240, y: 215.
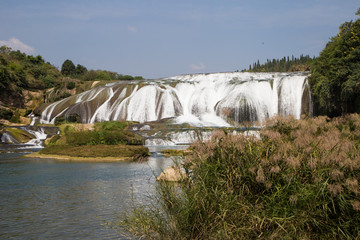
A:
x: 199, y: 99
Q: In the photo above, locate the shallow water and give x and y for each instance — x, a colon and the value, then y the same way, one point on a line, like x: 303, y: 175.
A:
x: 50, y: 199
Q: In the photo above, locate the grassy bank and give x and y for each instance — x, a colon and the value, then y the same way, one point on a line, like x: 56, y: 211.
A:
x: 300, y: 181
x: 100, y: 140
x: 107, y: 152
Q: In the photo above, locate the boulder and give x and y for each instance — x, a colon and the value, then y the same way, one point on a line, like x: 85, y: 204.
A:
x: 172, y: 174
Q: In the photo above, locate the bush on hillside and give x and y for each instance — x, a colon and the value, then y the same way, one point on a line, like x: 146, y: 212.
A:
x: 5, y: 114
x: 70, y: 85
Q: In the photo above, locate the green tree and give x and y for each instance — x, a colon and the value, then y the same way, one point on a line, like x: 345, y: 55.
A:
x: 5, y: 78
x: 80, y: 70
x: 5, y: 49
x: 102, y: 75
x: 335, y: 75
x: 68, y: 68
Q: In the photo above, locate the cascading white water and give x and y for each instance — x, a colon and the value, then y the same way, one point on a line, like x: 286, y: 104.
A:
x: 37, y: 133
x: 197, y: 99
x: 8, y: 138
x: 40, y: 137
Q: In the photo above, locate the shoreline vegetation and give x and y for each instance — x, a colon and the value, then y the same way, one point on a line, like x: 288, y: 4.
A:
x: 105, y: 141
x: 106, y: 153
x: 300, y: 180
x: 78, y: 159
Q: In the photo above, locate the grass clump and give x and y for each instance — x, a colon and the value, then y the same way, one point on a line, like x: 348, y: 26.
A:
x: 300, y: 181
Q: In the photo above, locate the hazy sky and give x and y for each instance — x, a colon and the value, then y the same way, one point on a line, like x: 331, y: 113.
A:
x: 159, y: 38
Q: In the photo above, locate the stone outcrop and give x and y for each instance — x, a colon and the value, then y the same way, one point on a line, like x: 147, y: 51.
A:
x: 172, y: 174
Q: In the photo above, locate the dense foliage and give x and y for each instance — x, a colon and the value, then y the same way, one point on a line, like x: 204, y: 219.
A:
x: 335, y: 75
x: 300, y: 181
x: 282, y: 65
x: 96, y: 75
x: 68, y: 69
x: 6, y: 114
x: 25, y: 71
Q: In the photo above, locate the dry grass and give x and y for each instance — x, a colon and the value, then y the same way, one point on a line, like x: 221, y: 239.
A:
x: 300, y: 181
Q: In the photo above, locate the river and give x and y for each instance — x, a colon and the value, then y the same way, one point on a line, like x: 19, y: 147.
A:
x: 51, y: 199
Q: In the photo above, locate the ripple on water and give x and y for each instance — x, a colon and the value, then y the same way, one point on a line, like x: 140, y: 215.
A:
x: 57, y: 200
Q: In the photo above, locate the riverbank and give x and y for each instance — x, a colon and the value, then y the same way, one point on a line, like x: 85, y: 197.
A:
x: 78, y: 159
x: 98, y: 152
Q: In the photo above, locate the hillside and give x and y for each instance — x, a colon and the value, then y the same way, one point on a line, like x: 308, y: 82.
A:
x: 27, y: 81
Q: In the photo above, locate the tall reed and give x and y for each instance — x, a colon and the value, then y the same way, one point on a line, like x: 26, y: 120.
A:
x: 300, y: 180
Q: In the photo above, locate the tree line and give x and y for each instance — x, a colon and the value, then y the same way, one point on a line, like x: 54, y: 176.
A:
x: 285, y: 64
x: 69, y: 69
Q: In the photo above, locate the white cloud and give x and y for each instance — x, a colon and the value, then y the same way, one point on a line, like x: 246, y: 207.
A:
x: 200, y: 66
x: 132, y: 29
x: 16, y: 44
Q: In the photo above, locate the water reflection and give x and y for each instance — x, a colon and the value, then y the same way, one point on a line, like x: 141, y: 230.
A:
x: 52, y: 199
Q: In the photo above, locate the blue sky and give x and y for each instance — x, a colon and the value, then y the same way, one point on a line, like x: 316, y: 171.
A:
x: 160, y: 38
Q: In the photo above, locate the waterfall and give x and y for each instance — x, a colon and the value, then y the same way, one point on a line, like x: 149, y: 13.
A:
x: 8, y: 138
x: 36, y: 135
x: 40, y: 137
x: 218, y: 99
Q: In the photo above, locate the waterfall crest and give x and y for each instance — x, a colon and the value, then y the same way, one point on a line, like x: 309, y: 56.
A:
x: 217, y: 99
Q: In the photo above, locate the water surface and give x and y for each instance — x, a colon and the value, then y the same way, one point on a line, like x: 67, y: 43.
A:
x: 50, y: 199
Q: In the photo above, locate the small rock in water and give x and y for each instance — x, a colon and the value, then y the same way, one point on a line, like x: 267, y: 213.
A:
x: 172, y: 174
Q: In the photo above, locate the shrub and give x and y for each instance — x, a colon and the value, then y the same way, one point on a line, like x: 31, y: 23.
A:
x: 28, y: 112
x: 300, y: 181
x: 5, y: 114
x: 70, y: 85
x: 81, y: 138
x: 112, y: 125
x: 49, y: 81
x: 78, y: 138
x: 72, y: 118
x: 15, y: 117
